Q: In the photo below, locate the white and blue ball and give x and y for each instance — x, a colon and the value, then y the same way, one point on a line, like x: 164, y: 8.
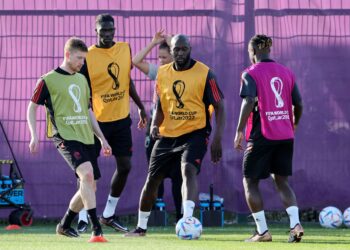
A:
x: 189, y: 228
x: 346, y: 217
x: 330, y: 217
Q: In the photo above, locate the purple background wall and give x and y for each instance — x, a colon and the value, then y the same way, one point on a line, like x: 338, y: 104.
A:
x: 311, y: 37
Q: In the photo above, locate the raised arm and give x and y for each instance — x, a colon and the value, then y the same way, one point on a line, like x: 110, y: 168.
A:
x: 138, y: 59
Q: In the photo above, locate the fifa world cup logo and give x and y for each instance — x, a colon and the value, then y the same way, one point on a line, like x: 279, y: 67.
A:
x: 179, y: 89
x: 74, y: 92
x: 113, y: 72
x: 277, y: 86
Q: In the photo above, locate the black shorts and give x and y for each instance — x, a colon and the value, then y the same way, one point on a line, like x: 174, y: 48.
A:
x: 75, y: 153
x: 188, y: 148
x: 118, y: 135
x: 260, y: 161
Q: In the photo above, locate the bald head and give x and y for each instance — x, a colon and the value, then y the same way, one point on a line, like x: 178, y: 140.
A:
x: 180, y: 38
x: 181, y: 51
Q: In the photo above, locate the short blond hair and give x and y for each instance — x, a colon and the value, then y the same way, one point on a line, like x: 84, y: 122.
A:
x: 75, y: 43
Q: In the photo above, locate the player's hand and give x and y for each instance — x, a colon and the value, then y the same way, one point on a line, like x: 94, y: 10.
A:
x: 143, y: 119
x: 238, y: 140
x: 106, y: 149
x: 216, y: 150
x: 158, y: 37
x: 155, y: 132
x: 34, y: 145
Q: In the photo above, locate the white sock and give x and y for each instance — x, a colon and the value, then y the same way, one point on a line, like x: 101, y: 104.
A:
x: 143, y: 219
x: 293, y: 212
x: 188, y: 208
x: 260, y: 221
x: 110, y: 206
x: 83, y: 216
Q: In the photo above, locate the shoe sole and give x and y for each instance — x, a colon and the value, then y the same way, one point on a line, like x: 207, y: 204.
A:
x: 134, y: 235
x: 82, y: 231
x: 297, y: 237
x: 115, y: 228
x: 67, y: 235
x: 258, y: 241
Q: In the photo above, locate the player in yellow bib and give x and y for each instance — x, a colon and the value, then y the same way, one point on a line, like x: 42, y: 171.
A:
x: 185, y: 90
x: 107, y: 68
x: 71, y: 124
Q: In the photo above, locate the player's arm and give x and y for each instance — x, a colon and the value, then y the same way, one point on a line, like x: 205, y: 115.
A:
x: 39, y: 97
x: 213, y: 96
x: 31, y: 120
x: 298, y: 105
x: 138, y: 59
x: 248, y: 93
x: 107, y: 150
x: 157, y: 120
x: 142, y: 113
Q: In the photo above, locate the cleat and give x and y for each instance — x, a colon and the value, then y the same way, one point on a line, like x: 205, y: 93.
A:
x: 69, y: 232
x: 256, y: 237
x: 296, y: 233
x: 82, y: 226
x: 138, y: 232
x: 113, y: 223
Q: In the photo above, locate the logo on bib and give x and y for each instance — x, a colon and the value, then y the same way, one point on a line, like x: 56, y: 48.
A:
x: 277, y: 86
x: 179, y: 89
x: 74, y: 92
x: 113, y: 72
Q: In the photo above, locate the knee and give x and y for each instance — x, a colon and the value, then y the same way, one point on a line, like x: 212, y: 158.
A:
x: 124, y: 166
x: 88, y: 177
x: 124, y: 170
x: 250, y: 184
x: 151, y: 185
x: 280, y: 183
x: 188, y: 170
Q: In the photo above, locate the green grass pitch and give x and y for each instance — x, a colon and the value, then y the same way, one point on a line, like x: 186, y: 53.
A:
x: 43, y: 237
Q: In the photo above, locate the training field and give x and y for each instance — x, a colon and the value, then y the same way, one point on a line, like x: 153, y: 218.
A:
x: 40, y: 237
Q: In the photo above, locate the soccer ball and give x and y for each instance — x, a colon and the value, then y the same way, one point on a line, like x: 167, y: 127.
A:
x: 330, y: 217
x: 189, y: 228
x: 346, y: 217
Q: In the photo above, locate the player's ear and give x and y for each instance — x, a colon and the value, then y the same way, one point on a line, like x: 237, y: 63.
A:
x: 67, y: 54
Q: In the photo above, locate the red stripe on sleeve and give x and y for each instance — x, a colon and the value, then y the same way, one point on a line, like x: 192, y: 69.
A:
x: 215, y: 90
x: 37, y: 91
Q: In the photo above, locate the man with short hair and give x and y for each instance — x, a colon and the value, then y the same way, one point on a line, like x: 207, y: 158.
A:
x: 185, y: 90
x: 107, y: 68
x: 71, y: 123
x: 269, y: 93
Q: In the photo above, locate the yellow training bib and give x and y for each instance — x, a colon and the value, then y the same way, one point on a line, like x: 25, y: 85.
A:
x: 109, y: 72
x: 181, y: 96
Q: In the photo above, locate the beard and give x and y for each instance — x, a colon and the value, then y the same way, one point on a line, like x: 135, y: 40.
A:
x: 184, y: 61
x: 74, y: 68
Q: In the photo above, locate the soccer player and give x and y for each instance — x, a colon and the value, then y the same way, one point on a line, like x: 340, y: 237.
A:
x: 71, y: 123
x: 151, y: 71
x: 185, y: 90
x: 269, y: 93
x: 107, y: 68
